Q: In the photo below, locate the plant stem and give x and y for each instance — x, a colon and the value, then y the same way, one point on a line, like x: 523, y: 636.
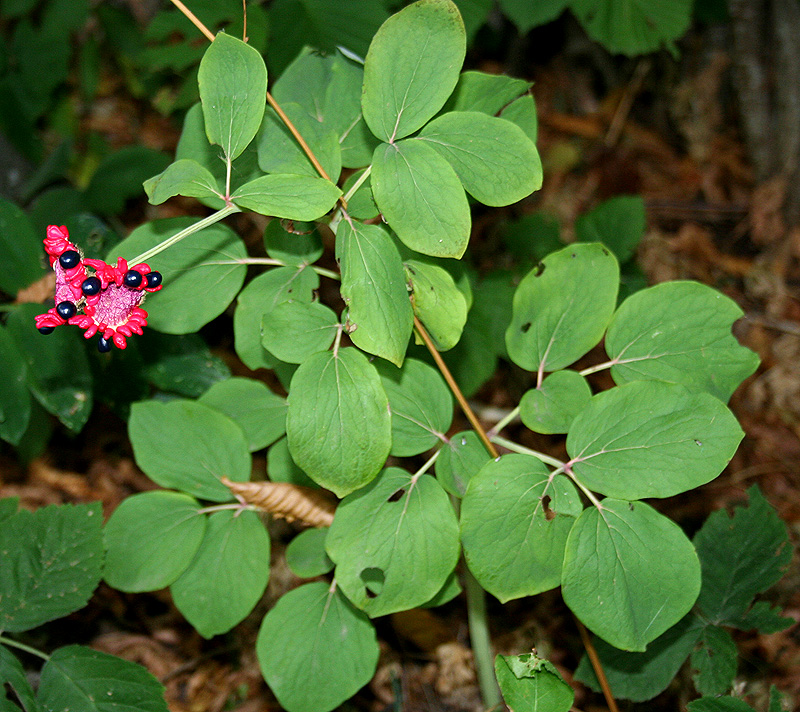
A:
x: 598, y: 367
x: 597, y: 666
x: 194, y: 20
x: 500, y: 424
x: 223, y: 507
x: 516, y: 447
x: 321, y: 271
x: 22, y: 646
x: 350, y: 193
x: 177, y: 237
x: 427, y: 466
x: 481, y: 641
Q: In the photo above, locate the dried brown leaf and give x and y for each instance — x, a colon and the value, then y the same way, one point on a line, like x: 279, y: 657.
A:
x: 287, y: 501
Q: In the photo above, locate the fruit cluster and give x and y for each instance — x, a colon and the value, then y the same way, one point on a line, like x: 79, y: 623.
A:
x: 102, y: 299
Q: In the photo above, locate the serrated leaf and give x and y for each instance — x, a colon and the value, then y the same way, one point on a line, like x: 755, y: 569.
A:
x: 260, y: 413
x: 764, y: 618
x: 78, y: 678
x: 629, y: 573
x: 374, y: 290
x: 618, y: 223
x: 210, y: 258
x: 150, y: 539
x: 529, y: 682
x: 338, y: 420
x: 459, y: 461
x: 388, y: 556
x: 233, y: 92
x: 679, y: 332
x: 489, y: 93
x: 494, y: 160
x: 651, y: 439
x: 314, y: 632
x: 421, y: 406
x: 421, y: 198
x: 411, y: 68
x: 52, y: 561
x: 553, y: 406
x: 15, y: 399
x: 183, y: 177
x: 293, y: 331
x: 562, y: 307
x: 13, y: 674
x: 288, y: 196
x: 741, y: 556
x: 438, y: 303
x: 228, y: 574
x: 714, y: 663
x: 306, y: 555
x: 515, y: 518
x: 21, y: 248
x: 188, y: 446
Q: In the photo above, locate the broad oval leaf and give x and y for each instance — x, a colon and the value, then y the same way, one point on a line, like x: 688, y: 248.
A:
x: 412, y: 67
x: 21, y: 249
x: 421, y: 198
x: 306, y: 555
x: 338, y: 420
x: 202, y: 273
x: 679, y: 332
x: 438, y: 303
x: 515, y: 518
x: 150, y: 539
x: 494, y: 159
x: 374, y: 289
x: 629, y: 573
x: 183, y: 177
x: 526, y: 15
x: 293, y: 331
x: 389, y: 556
x: 562, y: 307
x: 618, y: 223
x: 288, y: 196
x: 553, y: 406
x: 314, y: 633
x: 459, y: 461
x: 188, y: 446
x: 233, y: 92
x: 529, y: 682
x: 227, y: 576
x: 292, y: 243
x: 489, y: 93
x: 651, y: 439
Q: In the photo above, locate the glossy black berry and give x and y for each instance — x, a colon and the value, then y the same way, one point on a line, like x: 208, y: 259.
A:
x: 90, y: 286
x: 132, y: 279
x: 103, y: 345
x: 66, y: 310
x: 154, y: 279
x: 46, y: 330
x: 69, y: 259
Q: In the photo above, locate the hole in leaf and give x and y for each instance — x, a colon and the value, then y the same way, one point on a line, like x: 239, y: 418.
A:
x: 573, y: 255
x: 373, y: 579
x: 605, y: 251
x: 525, y: 327
x: 396, y: 496
x: 630, y: 506
x: 539, y: 269
x: 549, y: 514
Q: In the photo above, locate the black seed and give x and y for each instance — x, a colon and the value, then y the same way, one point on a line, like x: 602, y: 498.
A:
x: 132, y: 279
x: 69, y: 259
x: 90, y: 286
x: 66, y: 310
x: 154, y: 279
x: 103, y: 345
x: 46, y: 330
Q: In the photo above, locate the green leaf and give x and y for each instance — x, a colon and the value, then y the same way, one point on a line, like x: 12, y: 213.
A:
x: 361, y: 204
x: 642, y: 676
x: 233, y: 92
x: 515, y: 518
x: 437, y: 302
x: 764, y: 618
x: 374, y: 290
x: 447, y: 593
x: 618, y: 223
x: 13, y: 674
x: 288, y: 196
x: 775, y: 696
x: 22, y: 249
x: 306, y: 555
x: 227, y: 576
x: 489, y: 93
x: 421, y: 198
x: 714, y: 662
x: 314, y: 633
x: 651, y: 439
x: 293, y: 244
x: 338, y: 420
x: 282, y: 468
x: 679, y: 332
x: 474, y: 13
x: 52, y: 560
x: 495, y: 161
x: 526, y: 15
x: 78, y: 678
x: 522, y: 112
x: 209, y: 258
x: 8, y: 506
x: 260, y: 413
x: 259, y: 298
x: 56, y: 365
x: 389, y: 557
x: 741, y: 556
x: 719, y: 704
x: 421, y: 406
x: 188, y: 446
x: 293, y: 331
x: 412, y: 67
x: 459, y: 461
x: 150, y: 539
x: 15, y: 400
x: 629, y: 573
x: 553, y: 406
x: 529, y: 682
x: 183, y: 177
x: 633, y: 27
x: 562, y: 307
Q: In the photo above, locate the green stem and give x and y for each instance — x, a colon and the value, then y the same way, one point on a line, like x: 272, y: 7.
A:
x: 196, y: 227
x: 516, y: 447
x: 598, y: 367
x: 500, y: 424
x: 321, y: 271
x: 480, y: 641
x: 350, y: 193
x: 22, y: 646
